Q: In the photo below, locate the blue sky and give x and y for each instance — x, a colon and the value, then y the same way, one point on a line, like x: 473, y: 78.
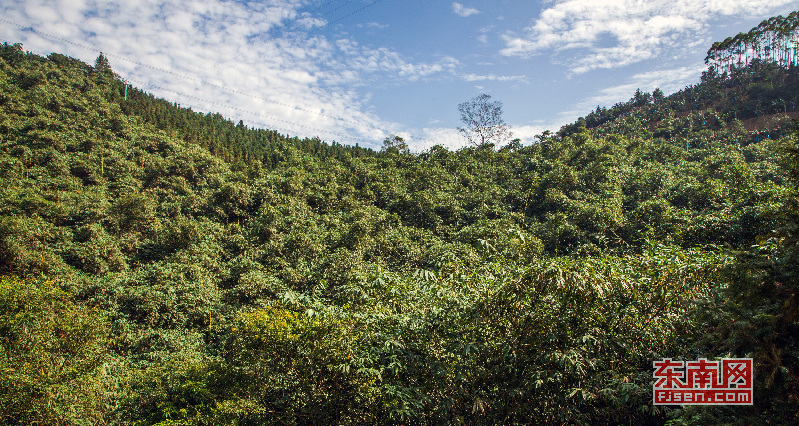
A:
x: 355, y: 71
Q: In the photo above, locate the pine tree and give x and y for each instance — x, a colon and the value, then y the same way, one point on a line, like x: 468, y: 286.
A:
x: 101, y: 64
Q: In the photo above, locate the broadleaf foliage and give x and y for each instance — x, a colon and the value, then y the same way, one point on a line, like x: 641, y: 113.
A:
x: 168, y: 267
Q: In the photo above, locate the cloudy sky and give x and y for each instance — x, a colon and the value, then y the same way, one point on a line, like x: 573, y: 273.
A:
x: 355, y: 71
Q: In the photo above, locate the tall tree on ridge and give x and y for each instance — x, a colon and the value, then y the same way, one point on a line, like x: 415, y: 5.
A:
x: 483, y: 120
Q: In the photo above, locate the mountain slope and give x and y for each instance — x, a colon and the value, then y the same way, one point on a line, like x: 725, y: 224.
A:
x: 530, y: 285
x: 758, y: 100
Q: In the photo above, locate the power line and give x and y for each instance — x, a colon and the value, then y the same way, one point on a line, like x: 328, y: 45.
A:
x: 353, y: 13
x: 185, y: 77
x: 270, y: 126
x: 310, y: 32
x: 245, y: 111
x: 337, y: 8
x: 224, y: 88
x: 270, y: 117
x: 225, y: 58
x: 320, y: 7
x: 242, y: 110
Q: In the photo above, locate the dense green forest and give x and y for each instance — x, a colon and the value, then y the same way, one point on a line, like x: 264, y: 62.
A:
x: 163, y: 266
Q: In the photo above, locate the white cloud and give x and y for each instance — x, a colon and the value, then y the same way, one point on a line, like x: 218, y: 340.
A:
x: 262, y: 62
x: 668, y: 80
x: 527, y: 133
x: 492, y: 77
x: 431, y: 136
x: 637, y: 30
x: 376, y: 25
x: 463, y: 11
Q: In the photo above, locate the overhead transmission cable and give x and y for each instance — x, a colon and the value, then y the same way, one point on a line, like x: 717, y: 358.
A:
x: 186, y: 77
x: 207, y: 83
x: 242, y: 110
x: 225, y: 58
x: 267, y: 126
x: 309, y: 33
x: 270, y: 117
x: 246, y: 111
x: 320, y: 7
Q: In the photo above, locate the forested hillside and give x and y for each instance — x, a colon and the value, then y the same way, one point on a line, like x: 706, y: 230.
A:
x: 162, y: 266
x: 758, y: 100
x: 232, y: 142
x: 751, y: 83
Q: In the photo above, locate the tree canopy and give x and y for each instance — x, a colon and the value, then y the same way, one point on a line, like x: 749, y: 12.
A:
x: 774, y: 40
x: 163, y: 266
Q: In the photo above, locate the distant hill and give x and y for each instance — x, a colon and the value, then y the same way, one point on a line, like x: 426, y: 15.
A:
x: 760, y: 98
x: 221, y: 136
x: 752, y: 83
x: 230, y: 141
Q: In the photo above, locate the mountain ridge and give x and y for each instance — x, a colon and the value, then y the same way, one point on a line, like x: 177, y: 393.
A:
x: 162, y: 274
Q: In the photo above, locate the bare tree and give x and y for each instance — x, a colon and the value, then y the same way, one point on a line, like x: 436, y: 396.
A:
x: 483, y: 120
